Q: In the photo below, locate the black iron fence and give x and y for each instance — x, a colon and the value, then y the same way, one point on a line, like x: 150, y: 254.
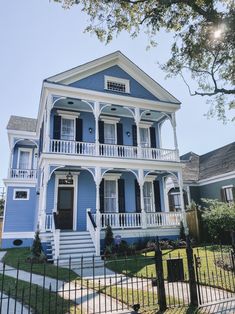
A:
x: 150, y: 280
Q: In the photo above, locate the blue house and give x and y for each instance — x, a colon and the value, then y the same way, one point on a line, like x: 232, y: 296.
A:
x: 93, y: 157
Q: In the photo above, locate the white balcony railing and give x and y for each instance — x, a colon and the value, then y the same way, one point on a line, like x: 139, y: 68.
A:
x: 23, y: 174
x: 140, y: 220
x: 109, y: 150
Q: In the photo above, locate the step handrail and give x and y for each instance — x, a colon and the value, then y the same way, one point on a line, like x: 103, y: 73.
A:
x: 94, y: 231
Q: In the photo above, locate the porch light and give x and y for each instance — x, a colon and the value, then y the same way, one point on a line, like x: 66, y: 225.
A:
x: 69, y: 178
x: 128, y: 133
x: 90, y: 130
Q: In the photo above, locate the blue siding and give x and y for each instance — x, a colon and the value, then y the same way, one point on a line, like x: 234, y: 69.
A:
x: 127, y: 127
x: 129, y: 192
x: 8, y: 243
x: 96, y: 82
x: 50, y: 194
x: 86, y: 198
x: 20, y: 215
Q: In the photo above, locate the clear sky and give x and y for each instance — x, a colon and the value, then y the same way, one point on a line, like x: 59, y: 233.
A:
x: 39, y: 39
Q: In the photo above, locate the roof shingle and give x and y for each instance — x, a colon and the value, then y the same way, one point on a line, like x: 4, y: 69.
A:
x: 22, y: 124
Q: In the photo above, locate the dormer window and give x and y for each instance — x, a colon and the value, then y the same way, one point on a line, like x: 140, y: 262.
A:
x: 116, y: 84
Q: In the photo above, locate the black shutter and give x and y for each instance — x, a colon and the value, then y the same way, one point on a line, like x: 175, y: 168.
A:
x: 102, y: 196
x: 119, y: 134
x: 101, y: 132
x: 57, y: 127
x: 153, y: 137
x: 121, y: 196
x: 79, y: 135
x: 134, y: 134
x: 157, y: 197
x: 41, y: 139
x: 137, y: 197
x: 223, y: 195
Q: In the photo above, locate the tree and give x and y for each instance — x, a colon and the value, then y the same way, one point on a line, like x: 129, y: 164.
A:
x: 219, y: 218
x: 2, y: 202
x: 204, y: 38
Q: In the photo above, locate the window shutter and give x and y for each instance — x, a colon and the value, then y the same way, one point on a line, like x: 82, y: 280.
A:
x: 134, y: 134
x: 152, y: 137
x: 57, y: 127
x: 157, y: 197
x: 41, y: 139
x: 101, y: 132
x: 102, y: 196
x: 137, y: 197
x: 233, y: 190
x: 119, y: 134
x: 79, y: 135
x: 121, y: 196
x: 223, y: 195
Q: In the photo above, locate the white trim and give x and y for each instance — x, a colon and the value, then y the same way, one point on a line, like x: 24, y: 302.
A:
x: 30, y: 151
x: 145, y: 124
x: 118, y: 81
x: 68, y: 114
x: 109, y: 120
x: 115, y: 179
x: 150, y: 178
x: 20, y: 190
x: 13, y: 235
x: 16, y: 183
x: 227, y: 186
x: 214, y: 179
x: 75, y: 192
x: 112, y: 176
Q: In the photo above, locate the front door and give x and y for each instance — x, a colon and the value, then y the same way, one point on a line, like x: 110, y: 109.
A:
x: 65, y: 208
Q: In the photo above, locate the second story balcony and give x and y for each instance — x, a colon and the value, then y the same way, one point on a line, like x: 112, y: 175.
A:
x: 109, y: 150
x: 25, y: 174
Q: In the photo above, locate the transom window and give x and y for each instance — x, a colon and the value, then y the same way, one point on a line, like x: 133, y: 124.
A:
x: 67, y: 129
x: 110, y: 133
x: 21, y: 194
x: 148, y: 197
x: 144, y: 137
x: 110, y: 196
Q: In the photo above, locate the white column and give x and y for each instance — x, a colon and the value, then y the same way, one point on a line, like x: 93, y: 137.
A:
x: 137, y: 122
x: 47, y: 127
x: 166, y: 201
x: 143, y: 213
x: 96, y: 114
x: 180, y: 181
x: 43, y: 190
x: 174, y: 130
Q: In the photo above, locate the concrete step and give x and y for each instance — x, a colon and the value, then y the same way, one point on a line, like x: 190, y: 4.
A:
x: 75, y: 241
x: 75, y: 246
x: 74, y: 233
x: 76, y: 250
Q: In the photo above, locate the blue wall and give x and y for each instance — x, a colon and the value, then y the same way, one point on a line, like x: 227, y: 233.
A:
x: 8, y: 243
x: 96, y: 82
x: 86, y: 198
x: 20, y: 214
x: 129, y: 192
x: 50, y: 194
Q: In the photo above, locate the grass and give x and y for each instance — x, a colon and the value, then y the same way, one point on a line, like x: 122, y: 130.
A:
x: 37, y: 298
x: 17, y: 258
x: 144, y: 265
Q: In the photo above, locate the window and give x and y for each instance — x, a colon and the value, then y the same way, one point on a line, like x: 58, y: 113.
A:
x: 228, y: 194
x: 21, y: 194
x: 110, y: 196
x: 25, y: 158
x: 110, y: 133
x: 67, y: 129
x: 117, y: 84
x: 148, y: 197
x: 144, y: 137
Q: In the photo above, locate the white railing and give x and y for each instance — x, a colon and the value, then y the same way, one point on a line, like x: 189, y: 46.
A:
x: 109, y: 150
x: 49, y: 222
x: 72, y: 147
x: 23, y: 174
x: 164, y: 219
x: 139, y: 220
x: 50, y: 226
x: 94, y: 231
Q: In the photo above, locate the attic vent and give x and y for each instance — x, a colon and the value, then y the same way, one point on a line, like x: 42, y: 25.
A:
x: 117, y: 84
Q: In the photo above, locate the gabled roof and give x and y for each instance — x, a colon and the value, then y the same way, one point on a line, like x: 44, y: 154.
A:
x: 115, y: 58
x: 22, y: 124
x: 214, y: 163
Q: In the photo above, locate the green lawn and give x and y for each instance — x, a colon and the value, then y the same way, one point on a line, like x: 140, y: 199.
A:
x: 37, y: 298
x: 144, y: 265
x: 15, y: 257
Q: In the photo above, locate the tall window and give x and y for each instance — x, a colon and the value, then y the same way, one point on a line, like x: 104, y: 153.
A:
x: 110, y: 133
x: 67, y: 129
x: 228, y: 194
x: 144, y: 137
x: 148, y: 197
x: 110, y: 196
x: 24, y: 159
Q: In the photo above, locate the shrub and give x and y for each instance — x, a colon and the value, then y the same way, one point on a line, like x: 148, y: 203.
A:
x: 37, y: 255
x: 108, y: 240
x: 182, y: 231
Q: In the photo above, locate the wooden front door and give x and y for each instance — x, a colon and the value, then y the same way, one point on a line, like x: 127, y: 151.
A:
x: 65, y: 208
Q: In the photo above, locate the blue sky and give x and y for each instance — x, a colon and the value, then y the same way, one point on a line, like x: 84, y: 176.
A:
x: 39, y: 39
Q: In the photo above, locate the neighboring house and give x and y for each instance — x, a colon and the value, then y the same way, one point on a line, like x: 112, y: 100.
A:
x: 209, y: 176
x: 92, y: 158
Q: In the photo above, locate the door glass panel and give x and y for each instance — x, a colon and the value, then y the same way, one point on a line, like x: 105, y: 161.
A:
x: 24, y: 162
x: 148, y: 197
x: 110, y: 196
x: 67, y: 129
x: 109, y: 133
x: 144, y: 137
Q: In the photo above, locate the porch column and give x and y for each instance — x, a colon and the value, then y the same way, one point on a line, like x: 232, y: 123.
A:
x: 96, y: 114
x: 173, y: 122
x: 143, y: 213
x: 43, y: 197
x: 180, y: 181
x: 97, y: 184
x: 166, y: 202
x: 137, y: 122
x: 48, y: 116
